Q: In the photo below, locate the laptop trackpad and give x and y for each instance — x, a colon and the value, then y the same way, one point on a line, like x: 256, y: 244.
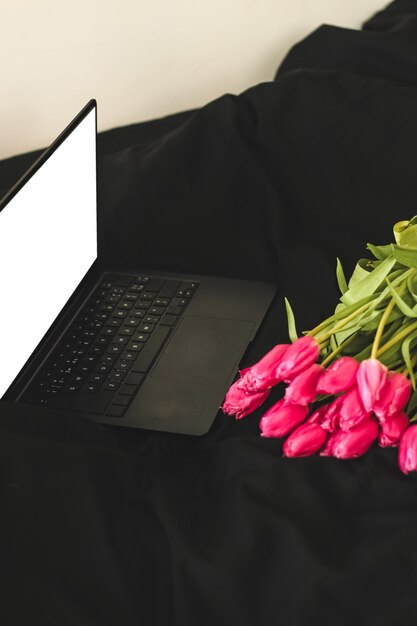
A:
x: 203, y: 349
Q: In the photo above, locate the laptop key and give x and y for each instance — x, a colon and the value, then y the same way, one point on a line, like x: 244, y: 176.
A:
x: 111, y: 384
x: 123, y: 364
x: 135, y: 346
x: 123, y: 400
x: 134, y: 378
x: 161, y: 302
x: 142, y: 279
x: 148, y: 295
x: 146, y: 328
x: 115, y: 410
x: 151, y: 349
x: 175, y: 310
x: 168, y: 320
x: 127, y: 390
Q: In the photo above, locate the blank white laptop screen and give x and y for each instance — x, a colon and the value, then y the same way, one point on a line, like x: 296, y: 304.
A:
x: 48, y: 242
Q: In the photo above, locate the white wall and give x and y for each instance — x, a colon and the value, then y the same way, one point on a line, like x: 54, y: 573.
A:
x: 142, y: 59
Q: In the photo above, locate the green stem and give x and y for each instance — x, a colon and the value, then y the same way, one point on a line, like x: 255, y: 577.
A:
x: 337, y: 350
x: 380, y: 329
x: 339, y: 325
x: 403, y: 333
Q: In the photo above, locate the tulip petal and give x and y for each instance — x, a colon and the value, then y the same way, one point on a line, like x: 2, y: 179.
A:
x: 407, y: 453
x: 370, y: 377
x: 352, y: 411
x: 282, y: 418
x: 349, y: 445
x: 302, y: 389
x: 304, y: 440
x: 300, y: 355
x: 340, y: 376
x: 238, y: 402
x: 332, y: 415
x: 393, y: 396
x: 392, y: 430
x: 263, y: 374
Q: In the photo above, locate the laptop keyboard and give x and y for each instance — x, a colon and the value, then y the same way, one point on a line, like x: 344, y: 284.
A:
x: 101, y: 361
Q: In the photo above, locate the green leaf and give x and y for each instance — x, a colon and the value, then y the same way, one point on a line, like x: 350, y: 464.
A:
x: 292, y: 331
x: 370, y: 283
x: 380, y: 252
x: 405, y: 349
x: 405, y: 233
x: 400, y: 276
x: 412, y: 404
x: 340, y: 275
x: 405, y: 257
x: 412, y: 285
x: 401, y: 304
x: 365, y: 352
x: 362, y: 269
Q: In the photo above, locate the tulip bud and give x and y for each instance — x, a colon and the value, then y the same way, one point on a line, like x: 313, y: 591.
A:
x: 240, y: 403
x: 352, y: 412
x: 302, y: 388
x: 370, y: 377
x: 304, y: 440
x: 328, y: 448
x: 339, y: 376
x: 282, y: 418
x: 300, y: 355
x: 393, y: 396
x: 392, y: 429
x: 262, y: 375
x: 331, y: 417
x: 355, y: 442
x: 407, y: 453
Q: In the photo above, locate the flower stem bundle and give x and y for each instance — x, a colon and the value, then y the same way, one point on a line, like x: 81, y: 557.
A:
x: 352, y: 379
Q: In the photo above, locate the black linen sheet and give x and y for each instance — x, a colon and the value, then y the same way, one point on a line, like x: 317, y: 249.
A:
x: 110, y: 527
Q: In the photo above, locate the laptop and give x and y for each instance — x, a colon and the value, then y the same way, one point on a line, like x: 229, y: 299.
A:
x: 135, y: 348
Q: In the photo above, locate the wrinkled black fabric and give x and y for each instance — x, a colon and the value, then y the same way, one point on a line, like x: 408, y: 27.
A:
x: 111, y: 527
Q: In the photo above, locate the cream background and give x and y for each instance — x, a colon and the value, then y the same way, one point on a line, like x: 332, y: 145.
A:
x: 142, y: 59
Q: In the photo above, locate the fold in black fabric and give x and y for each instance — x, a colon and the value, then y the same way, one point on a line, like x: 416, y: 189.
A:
x: 109, y: 527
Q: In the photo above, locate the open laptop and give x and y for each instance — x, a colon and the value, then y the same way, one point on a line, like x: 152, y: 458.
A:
x: 140, y: 349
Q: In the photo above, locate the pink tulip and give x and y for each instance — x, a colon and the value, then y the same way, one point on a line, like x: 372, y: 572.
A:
x: 302, y: 388
x: 282, y: 418
x: 370, y: 377
x: 392, y: 429
x: 317, y: 416
x: 328, y: 448
x: 262, y: 375
x: 355, y: 442
x: 351, y: 411
x: 300, y: 355
x: 407, y: 453
x: 393, y: 396
x: 332, y: 415
x: 340, y: 376
x: 304, y: 440
x: 240, y: 403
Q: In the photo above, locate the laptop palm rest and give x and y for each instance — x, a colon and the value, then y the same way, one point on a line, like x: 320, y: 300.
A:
x: 192, y: 375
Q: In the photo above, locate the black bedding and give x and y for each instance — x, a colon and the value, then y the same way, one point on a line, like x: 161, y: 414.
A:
x: 110, y: 527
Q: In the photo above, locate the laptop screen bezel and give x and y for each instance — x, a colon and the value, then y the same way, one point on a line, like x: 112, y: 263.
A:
x: 48, y: 152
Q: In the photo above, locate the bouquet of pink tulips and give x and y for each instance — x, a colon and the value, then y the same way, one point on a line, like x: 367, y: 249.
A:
x: 351, y: 380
